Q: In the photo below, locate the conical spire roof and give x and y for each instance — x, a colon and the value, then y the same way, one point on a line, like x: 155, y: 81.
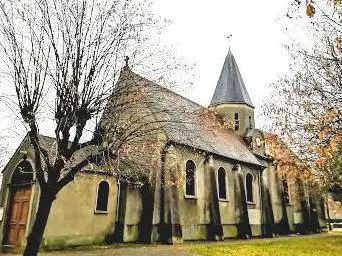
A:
x: 230, y: 87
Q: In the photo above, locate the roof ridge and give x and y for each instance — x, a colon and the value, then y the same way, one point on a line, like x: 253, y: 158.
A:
x: 223, y: 142
x: 167, y: 89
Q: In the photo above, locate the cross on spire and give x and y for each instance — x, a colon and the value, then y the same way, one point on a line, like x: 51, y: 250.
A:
x: 126, y: 63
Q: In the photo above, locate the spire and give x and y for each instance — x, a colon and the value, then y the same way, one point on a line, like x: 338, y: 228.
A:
x: 230, y: 87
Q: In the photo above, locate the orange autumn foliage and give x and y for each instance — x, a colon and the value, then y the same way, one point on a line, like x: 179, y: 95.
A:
x: 287, y: 161
x: 329, y: 139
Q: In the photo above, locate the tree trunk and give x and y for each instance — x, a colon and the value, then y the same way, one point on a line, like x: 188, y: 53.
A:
x: 328, y: 213
x: 36, y: 235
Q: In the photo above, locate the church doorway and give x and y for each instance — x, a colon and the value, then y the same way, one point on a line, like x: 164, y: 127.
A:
x: 19, y: 204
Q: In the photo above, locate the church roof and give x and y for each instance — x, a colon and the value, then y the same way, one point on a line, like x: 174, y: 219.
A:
x: 49, y: 143
x: 190, y: 124
x: 230, y: 87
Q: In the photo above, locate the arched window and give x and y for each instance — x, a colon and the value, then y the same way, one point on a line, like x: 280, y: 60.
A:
x: 249, y: 187
x: 190, y: 179
x: 221, y: 183
x: 23, y: 173
x: 236, y: 121
x: 102, y: 196
x: 286, y: 190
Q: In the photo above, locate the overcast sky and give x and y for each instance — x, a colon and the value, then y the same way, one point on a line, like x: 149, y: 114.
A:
x: 198, y: 34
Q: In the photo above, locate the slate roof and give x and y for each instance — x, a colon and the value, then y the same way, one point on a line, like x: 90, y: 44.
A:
x: 191, y: 124
x: 46, y: 141
x: 49, y: 143
x: 230, y: 87
x: 184, y: 122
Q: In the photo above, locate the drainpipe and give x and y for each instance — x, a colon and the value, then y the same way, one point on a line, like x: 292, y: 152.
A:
x: 263, y: 229
x: 118, y: 201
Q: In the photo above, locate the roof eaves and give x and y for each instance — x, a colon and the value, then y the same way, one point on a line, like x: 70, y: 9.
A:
x: 231, y: 102
x: 217, y: 154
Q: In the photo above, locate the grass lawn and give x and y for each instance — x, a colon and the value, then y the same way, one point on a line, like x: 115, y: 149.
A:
x: 320, y: 245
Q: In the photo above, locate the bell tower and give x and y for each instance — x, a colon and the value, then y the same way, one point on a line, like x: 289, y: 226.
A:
x: 231, y: 100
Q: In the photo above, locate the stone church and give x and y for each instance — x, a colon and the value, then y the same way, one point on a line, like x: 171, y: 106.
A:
x: 227, y: 185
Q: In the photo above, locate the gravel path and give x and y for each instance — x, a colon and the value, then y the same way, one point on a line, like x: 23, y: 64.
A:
x: 158, y: 250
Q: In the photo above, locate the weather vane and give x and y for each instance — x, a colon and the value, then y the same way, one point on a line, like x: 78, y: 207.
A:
x: 229, y: 38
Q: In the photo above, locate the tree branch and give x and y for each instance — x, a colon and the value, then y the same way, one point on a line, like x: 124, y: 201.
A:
x: 97, y: 159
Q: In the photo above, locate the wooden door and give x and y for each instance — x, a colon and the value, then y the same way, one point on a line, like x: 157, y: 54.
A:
x: 18, y: 213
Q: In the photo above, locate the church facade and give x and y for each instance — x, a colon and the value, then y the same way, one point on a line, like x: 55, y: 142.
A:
x: 214, y: 180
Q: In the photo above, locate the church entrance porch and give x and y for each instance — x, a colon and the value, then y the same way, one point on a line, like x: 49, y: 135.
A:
x: 18, y: 214
x: 18, y: 207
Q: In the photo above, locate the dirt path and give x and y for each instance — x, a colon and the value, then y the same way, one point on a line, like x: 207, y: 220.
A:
x: 159, y: 250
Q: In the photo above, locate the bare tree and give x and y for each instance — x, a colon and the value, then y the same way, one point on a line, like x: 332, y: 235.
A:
x: 74, y: 50
x: 3, y: 152
x: 306, y: 105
